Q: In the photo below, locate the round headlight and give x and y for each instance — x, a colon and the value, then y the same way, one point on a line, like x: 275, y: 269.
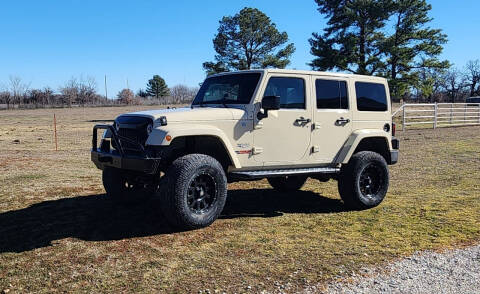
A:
x: 162, y: 120
x: 149, y: 129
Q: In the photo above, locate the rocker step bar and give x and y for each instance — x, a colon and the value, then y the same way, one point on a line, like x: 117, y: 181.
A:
x: 259, y: 174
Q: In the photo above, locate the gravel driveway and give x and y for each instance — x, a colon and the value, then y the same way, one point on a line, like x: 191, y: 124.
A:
x: 455, y: 271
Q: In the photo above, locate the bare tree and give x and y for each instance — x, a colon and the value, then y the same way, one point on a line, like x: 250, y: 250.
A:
x: 87, y: 89
x: 48, y: 96
x: 81, y: 91
x: 6, y: 98
x: 472, y: 76
x: 69, y: 91
x: 36, y: 97
x: 181, y: 93
x: 18, y: 89
x: 453, y: 84
x: 41, y: 97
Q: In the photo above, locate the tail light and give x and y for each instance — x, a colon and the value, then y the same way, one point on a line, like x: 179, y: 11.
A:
x: 394, y: 128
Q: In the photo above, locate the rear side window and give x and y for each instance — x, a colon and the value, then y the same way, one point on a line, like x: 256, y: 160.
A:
x: 473, y: 100
x: 290, y: 90
x: 331, y: 94
x: 371, y: 97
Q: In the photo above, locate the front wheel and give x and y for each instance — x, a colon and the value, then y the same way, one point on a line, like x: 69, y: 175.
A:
x: 194, y: 192
x: 363, y: 182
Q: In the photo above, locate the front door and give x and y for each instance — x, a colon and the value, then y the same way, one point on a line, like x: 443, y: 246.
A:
x: 284, y: 136
x: 332, y: 118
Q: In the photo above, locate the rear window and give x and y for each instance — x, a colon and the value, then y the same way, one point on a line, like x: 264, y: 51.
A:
x: 371, y: 97
x: 331, y: 94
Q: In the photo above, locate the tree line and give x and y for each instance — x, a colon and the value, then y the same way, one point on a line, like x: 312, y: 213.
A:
x: 387, y: 38
x: 83, y: 92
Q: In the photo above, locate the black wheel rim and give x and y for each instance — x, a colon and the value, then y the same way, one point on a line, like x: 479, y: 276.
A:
x: 371, y: 180
x: 201, y: 194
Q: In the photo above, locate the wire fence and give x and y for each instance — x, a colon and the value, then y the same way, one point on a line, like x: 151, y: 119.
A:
x: 437, y: 115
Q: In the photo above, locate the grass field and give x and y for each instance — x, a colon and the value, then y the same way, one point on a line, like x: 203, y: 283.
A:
x: 58, y: 233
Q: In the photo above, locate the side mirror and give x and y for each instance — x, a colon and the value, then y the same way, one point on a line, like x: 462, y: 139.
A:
x: 268, y: 103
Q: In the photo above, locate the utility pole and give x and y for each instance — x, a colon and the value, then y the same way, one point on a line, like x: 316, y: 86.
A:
x: 106, y: 93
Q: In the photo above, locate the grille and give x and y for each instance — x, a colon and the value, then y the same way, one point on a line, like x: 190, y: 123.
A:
x: 134, y: 129
x: 134, y: 135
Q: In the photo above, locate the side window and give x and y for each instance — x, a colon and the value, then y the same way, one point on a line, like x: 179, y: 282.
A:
x: 371, y: 97
x: 331, y: 94
x: 290, y: 90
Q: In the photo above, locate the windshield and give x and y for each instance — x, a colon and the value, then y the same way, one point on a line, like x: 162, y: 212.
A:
x: 227, y: 89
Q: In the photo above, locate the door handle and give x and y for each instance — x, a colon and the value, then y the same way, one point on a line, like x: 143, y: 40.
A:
x: 342, y: 121
x: 303, y: 120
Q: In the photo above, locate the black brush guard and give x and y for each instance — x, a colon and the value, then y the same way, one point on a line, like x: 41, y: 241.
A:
x: 105, y: 157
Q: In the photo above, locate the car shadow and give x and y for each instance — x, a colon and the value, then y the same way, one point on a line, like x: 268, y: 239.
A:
x: 270, y: 203
x: 95, y: 218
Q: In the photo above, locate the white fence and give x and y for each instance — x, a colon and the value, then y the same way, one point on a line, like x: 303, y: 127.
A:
x: 438, y: 114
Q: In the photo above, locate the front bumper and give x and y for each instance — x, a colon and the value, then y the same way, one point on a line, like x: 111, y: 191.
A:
x: 143, y: 165
x: 104, y: 157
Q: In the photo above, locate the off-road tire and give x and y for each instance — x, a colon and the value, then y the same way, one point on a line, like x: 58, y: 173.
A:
x: 363, y: 182
x: 121, y: 188
x: 182, y: 199
x: 288, y: 183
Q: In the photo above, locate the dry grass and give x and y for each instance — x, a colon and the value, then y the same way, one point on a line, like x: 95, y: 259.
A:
x: 57, y: 232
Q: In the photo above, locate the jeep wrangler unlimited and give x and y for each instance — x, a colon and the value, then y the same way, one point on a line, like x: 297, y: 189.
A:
x: 282, y: 125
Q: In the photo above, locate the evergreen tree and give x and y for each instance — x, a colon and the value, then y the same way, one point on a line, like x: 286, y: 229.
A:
x: 214, y: 67
x: 156, y: 87
x: 142, y: 93
x: 353, y: 39
x: 249, y: 39
x: 412, y: 46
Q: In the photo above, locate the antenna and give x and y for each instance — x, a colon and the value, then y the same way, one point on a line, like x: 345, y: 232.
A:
x: 127, y: 85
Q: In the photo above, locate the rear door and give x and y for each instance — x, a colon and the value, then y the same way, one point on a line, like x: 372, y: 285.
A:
x: 284, y: 136
x: 332, y: 117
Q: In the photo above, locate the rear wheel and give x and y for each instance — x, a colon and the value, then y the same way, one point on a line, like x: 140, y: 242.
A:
x: 363, y: 182
x: 288, y: 183
x: 194, y: 192
x: 122, y: 187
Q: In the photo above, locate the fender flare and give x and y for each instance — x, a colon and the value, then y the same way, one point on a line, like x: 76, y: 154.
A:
x: 346, y: 152
x: 158, y: 137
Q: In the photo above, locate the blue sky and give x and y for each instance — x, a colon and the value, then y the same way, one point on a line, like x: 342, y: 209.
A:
x: 47, y: 42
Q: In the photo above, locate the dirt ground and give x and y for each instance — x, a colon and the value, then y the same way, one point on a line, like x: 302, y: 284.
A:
x: 58, y: 233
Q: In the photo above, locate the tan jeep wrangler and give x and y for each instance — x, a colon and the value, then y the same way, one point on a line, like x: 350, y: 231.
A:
x: 282, y: 125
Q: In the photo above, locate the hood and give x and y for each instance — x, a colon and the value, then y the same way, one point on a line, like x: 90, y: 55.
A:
x: 188, y: 114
